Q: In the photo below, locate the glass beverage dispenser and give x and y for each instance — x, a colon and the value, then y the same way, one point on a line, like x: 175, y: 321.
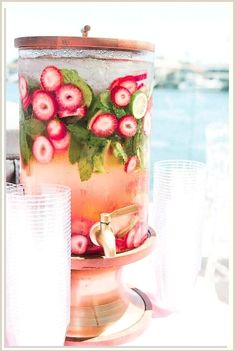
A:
x: 85, y: 114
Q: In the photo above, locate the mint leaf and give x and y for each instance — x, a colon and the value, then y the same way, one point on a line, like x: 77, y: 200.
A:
x: 33, y: 127
x: 105, y: 98
x: 70, y: 120
x: 93, y: 108
x: 85, y: 167
x: 98, y: 160
x: 25, y: 149
x: 98, y: 142
x: 22, y: 117
x: 85, y: 163
x: 119, y: 152
x: 33, y: 84
x: 74, y: 151
x: 140, y: 156
x: 118, y: 112
x: 128, y: 146
x: 71, y: 76
x: 79, y: 133
x: 86, y: 91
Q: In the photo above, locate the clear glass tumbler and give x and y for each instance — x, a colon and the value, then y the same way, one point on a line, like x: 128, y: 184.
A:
x: 38, y: 251
x: 179, y: 195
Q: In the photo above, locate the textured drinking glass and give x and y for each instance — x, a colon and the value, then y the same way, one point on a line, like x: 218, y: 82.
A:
x: 179, y: 194
x: 38, y: 250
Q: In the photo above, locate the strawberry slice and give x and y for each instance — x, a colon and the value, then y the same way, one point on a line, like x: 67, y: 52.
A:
x: 56, y: 130
x: 103, y: 124
x: 69, y: 97
x: 140, y: 77
x: 44, y: 105
x: 120, y: 96
x: 127, y: 82
x: 51, y: 78
x: 140, y: 86
x: 79, y: 112
x: 139, y: 236
x: 121, y: 244
x: 42, y: 150
x: 79, y: 244
x: 61, y: 144
x: 23, y: 87
x: 26, y: 102
x: 127, y: 126
x: 93, y: 249
x: 81, y: 227
x: 131, y: 164
x: 130, y: 239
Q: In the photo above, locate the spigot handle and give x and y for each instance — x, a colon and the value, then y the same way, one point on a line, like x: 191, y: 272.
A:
x: 101, y: 233
x: 125, y: 210
x: 106, y: 218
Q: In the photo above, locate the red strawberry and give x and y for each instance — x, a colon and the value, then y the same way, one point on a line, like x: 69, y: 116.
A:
x: 115, y: 83
x: 131, y: 164
x: 79, y: 112
x: 120, y: 96
x: 127, y: 126
x: 81, y: 227
x: 51, y: 78
x: 69, y: 97
x: 42, y: 150
x: 82, y: 111
x: 127, y: 82
x: 61, y: 144
x: 93, y: 249
x: 90, y: 123
x: 56, y: 130
x: 23, y: 87
x: 44, y: 105
x: 121, y: 244
x: 103, y: 125
x: 26, y: 102
x: 140, y: 86
x: 147, y: 123
x: 140, y: 76
x: 79, y: 244
x: 130, y: 239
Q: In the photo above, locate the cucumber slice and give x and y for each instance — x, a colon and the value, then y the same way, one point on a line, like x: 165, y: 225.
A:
x: 138, y: 104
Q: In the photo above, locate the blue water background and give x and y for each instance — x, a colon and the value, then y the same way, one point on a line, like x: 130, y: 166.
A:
x: 179, y: 122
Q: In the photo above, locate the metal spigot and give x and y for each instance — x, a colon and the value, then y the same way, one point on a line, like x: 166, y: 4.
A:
x: 102, y: 234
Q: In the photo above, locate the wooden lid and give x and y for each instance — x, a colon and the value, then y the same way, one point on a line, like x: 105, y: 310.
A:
x: 54, y: 42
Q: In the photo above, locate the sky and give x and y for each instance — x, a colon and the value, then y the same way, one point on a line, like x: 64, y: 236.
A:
x: 197, y: 31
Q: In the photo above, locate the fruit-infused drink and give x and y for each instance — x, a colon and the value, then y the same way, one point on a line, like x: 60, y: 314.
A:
x: 85, y: 123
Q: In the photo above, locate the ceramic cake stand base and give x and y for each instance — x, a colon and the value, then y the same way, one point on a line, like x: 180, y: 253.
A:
x: 104, y: 311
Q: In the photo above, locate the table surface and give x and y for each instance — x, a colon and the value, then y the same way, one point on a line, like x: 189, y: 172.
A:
x: 203, y: 322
